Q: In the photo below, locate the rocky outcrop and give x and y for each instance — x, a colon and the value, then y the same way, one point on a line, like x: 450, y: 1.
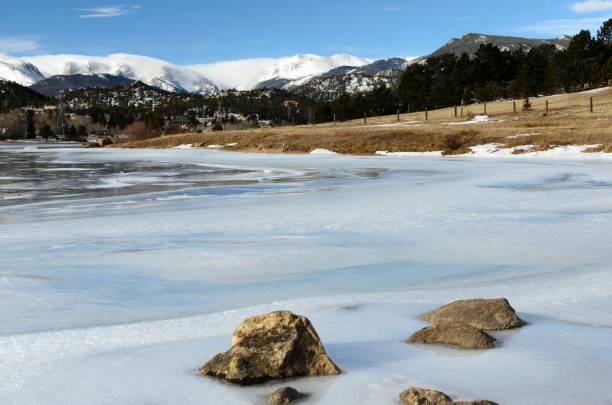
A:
x: 271, y: 347
x: 284, y: 395
x: 453, y: 333
x: 491, y: 314
x: 422, y: 396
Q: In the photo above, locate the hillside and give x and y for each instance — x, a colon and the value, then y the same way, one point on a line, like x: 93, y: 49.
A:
x: 53, y: 85
x: 353, y: 80
x: 13, y: 95
x: 502, y: 129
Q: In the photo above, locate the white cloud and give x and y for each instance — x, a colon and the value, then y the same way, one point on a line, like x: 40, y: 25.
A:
x: 108, y: 11
x: 589, y: 6
x: 565, y: 26
x: 392, y: 9
x: 9, y: 45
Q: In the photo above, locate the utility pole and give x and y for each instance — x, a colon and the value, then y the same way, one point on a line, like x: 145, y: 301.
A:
x: 60, y: 117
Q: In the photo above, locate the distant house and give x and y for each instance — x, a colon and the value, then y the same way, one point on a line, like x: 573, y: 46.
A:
x: 182, y: 123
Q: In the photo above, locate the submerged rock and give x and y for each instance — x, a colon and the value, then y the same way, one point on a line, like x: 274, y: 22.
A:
x: 271, y: 347
x: 284, y: 395
x: 453, y: 333
x: 421, y: 396
x: 491, y: 314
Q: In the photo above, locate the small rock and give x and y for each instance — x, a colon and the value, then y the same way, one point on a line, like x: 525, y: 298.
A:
x: 284, y: 396
x: 271, y: 347
x: 493, y: 314
x: 421, y: 396
x: 453, y: 333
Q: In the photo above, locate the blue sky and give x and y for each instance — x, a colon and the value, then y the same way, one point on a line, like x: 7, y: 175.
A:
x: 201, y: 31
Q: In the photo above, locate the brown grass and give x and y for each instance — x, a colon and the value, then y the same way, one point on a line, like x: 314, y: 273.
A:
x: 568, y: 122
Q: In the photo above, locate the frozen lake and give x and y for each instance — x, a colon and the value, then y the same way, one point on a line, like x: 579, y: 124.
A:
x: 123, y: 271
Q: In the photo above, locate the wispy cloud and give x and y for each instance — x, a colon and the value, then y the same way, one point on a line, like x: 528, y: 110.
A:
x: 108, y: 11
x: 564, y: 26
x: 10, y: 45
x: 393, y: 9
x: 589, y: 6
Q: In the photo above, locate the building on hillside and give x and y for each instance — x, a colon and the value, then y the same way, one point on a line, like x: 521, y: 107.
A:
x: 40, y: 110
x: 182, y: 123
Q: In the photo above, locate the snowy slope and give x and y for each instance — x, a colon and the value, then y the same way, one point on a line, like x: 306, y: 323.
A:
x: 246, y: 74
x: 20, y: 72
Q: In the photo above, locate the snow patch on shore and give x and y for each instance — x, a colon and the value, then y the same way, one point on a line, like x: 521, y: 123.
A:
x: 479, y: 119
x: 408, y: 154
x: 320, y: 151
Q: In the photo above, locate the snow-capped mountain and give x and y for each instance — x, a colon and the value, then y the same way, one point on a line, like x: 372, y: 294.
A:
x: 469, y: 43
x: 154, y: 72
x: 20, y: 72
x: 243, y: 74
x: 285, y: 72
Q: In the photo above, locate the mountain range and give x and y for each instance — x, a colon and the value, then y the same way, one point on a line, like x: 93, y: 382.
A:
x: 311, y: 75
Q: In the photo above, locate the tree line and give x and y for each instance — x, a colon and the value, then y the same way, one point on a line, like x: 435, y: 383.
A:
x: 491, y: 74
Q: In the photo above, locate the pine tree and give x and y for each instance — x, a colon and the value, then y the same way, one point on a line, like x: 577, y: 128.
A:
x: 31, y: 129
x: 604, y: 35
x: 46, y: 132
x: 82, y: 132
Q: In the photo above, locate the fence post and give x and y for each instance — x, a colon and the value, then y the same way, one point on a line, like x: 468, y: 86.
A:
x: 591, y: 104
x: 365, y: 118
x: 455, y: 111
x: 514, y: 106
x: 546, y: 107
x: 334, y: 118
x: 485, y: 108
x: 426, y: 114
x: 398, y: 115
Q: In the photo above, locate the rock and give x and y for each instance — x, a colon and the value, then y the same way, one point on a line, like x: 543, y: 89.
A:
x: 271, y: 347
x: 284, y: 396
x: 104, y: 142
x: 495, y: 314
x: 453, y: 333
x: 421, y: 396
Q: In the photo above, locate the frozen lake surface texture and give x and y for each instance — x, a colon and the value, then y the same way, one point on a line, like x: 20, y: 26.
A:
x: 123, y: 271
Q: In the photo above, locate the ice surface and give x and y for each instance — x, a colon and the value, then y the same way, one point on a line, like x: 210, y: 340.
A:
x: 120, y: 295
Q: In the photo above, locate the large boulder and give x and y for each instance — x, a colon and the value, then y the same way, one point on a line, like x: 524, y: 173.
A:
x: 492, y: 314
x: 421, y: 396
x: 271, y: 347
x: 453, y: 333
x: 285, y: 395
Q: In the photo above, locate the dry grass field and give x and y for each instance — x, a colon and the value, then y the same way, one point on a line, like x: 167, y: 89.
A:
x: 569, y: 122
